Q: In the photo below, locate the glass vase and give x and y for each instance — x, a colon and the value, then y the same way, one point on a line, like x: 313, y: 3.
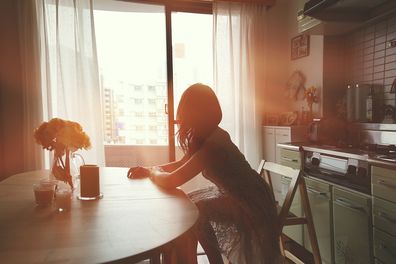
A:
x: 66, y: 168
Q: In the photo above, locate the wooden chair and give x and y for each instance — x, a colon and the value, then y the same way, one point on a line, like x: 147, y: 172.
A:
x: 286, y: 218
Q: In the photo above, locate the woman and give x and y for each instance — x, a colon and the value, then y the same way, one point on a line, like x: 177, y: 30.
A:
x: 238, y: 214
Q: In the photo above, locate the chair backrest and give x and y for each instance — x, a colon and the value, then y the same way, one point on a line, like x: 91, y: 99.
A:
x: 270, y: 169
x: 267, y: 170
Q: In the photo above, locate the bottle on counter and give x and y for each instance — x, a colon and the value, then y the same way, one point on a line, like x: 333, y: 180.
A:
x: 369, y: 106
x: 351, y: 103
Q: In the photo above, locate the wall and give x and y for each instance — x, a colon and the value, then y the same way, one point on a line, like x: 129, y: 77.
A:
x: 282, y: 27
x: 10, y: 91
x: 371, y: 61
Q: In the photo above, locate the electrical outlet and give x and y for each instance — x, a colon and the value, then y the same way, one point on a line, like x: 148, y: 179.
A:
x: 392, y: 43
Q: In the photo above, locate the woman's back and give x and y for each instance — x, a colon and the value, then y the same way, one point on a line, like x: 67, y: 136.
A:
x: 241, y: 208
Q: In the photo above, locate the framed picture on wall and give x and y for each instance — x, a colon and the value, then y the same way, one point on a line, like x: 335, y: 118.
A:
x: 299, y: 46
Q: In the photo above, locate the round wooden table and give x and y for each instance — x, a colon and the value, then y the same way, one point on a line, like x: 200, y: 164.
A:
x: 134, y: 219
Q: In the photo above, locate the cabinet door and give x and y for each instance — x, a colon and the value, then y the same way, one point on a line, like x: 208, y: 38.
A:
x: 384, y: 183
x: 352, y: 228
x: 384, y: 216
x: 319, y: 195
x: 282, y: 135
x: 269, y: 144
x: 294, y: 232
x: 384, y: 247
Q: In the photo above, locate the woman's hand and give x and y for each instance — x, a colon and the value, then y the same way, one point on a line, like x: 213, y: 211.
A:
x: 139, y: 172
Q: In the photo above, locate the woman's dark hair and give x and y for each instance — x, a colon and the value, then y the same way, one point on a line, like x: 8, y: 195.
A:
x: 198, y: 114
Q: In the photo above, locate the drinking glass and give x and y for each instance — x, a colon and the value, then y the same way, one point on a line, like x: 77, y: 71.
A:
x: 44, y: 194
x: 63, y: 200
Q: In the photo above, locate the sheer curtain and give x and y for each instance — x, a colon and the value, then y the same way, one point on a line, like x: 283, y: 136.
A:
x: 239, y: 29
x: 69, y: 68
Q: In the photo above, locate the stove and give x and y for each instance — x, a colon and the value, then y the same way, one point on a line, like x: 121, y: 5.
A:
x: 339, y: 167
x: 345, y: 165
x: 383, y: 152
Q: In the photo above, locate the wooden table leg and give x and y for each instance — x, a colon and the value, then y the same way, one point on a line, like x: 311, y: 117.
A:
x: 169, y: 254
x: 155, y: 258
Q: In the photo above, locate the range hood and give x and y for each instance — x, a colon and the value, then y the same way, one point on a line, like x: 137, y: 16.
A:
x: 336, y: 17
x: 347, y: 10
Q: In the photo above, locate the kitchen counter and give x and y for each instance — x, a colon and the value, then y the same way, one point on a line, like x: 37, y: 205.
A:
x: 353, y: 153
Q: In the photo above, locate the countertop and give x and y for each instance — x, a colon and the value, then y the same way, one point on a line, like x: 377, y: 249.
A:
x: 352, y: 153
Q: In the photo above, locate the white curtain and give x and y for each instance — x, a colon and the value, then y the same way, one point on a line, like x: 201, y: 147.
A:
x: 239, y: 29
x: 69, y: 68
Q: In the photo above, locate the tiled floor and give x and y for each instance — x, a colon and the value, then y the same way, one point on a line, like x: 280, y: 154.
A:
x: 202, y: 259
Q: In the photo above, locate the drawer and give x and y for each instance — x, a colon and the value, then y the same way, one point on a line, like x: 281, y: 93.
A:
x: 384, y: 215
x: 384, y: 183
x: 356, y: 201
x: 384, y: 247
x: 284, y: 132
x: 290, y: 158
x: 317, y: 187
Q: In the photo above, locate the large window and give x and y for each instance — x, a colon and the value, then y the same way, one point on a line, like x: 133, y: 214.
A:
x: 131, y: 46
x: 134, y: 64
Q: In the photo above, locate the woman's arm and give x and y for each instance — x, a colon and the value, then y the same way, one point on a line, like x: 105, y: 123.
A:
x: 143, y: 172
x: 188, y: 170
x: 171, y: 166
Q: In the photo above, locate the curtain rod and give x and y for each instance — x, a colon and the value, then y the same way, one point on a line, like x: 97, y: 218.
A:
x: 201, y: 2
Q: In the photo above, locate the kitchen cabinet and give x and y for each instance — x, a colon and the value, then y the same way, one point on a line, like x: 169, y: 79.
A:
x: 352, y: 227
x: 273, y: 135
x: 320, y: 200
x: 291, y: 158
x: 384, y: 214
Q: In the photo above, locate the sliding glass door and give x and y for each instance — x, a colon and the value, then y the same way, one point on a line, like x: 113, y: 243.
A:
x: 192, y: 53
x: 147, y: 56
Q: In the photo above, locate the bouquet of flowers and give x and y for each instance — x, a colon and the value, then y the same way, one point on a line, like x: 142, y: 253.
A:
x: 310, y: 96
x: 63, y: 137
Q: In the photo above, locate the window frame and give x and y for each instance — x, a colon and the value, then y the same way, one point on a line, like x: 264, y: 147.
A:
x: 187, y: 6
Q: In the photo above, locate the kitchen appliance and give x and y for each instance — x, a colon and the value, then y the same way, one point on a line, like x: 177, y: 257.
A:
x: 343, y: 10
x: 328, y: 131
x: 337, y: 17
x: 345, y: 166
x: 319, y: 195
x: 339, y: 187
x: 342, y: 168
x: 352, y: 227
x: 382, y: 152
x: 356, y: 102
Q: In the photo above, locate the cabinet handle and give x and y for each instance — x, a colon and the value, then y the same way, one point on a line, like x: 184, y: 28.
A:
x: 387, y: 217
x: 387, y: 184
x: 316, y: 192
x: 289, y: 159
x: 345, y: 203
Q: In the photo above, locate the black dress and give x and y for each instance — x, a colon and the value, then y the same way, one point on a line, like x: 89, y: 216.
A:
x: 240, y: 207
